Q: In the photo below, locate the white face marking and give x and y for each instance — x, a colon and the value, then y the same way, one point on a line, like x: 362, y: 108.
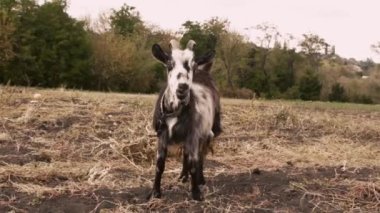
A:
x: 171, y: 122
x: 178, y: 74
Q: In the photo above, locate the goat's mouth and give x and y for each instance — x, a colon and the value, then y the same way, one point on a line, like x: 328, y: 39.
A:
x: 183, y: 96
x: 173, y: 107
x: 174, y: 102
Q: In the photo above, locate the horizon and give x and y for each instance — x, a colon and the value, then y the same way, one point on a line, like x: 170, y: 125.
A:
x: 349, y: 26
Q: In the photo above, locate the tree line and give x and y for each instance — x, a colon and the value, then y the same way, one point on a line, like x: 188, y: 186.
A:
x: 41, y: 45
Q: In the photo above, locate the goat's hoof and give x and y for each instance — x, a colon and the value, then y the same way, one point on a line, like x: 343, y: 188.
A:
x: 183, y: 178
x: 197, y: 195
x: 154, y: 194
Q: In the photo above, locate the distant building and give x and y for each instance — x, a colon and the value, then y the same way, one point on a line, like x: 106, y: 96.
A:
x: 355, y: 68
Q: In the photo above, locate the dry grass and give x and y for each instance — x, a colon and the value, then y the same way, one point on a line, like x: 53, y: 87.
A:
x: 94, y: 152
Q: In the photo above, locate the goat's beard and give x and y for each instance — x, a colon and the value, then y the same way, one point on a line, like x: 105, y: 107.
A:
x: 172, y: 103
x: 185, y: 101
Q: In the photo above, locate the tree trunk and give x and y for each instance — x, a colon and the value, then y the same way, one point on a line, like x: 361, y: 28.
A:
x: 229, y: 75
x: 263, y: 62
x: 229, y: 71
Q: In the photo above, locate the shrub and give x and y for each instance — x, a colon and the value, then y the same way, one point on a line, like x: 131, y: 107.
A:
x: 242, y: 93
x: 309, y: 86
x: 362, y: 99
x: 291, y: 93
x: 338, y: 93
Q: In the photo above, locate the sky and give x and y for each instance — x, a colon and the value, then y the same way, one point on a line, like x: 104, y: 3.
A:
x: 351, y: 25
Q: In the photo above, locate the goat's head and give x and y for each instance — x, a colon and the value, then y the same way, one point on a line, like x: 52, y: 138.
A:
x: 181, y: 65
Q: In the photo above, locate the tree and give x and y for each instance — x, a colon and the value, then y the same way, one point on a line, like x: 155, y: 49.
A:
x: 309, y: 86
x: 118, y: 65
x: 232, y: 51
x: 270, y: 65
x: 367, y: 64
x: 18, y: 12
x: 376, y: 47
x: 281, y: 63
x: 270, y: 35
x: 122, y: 59
x: 338, y: 93
x: 52, y: 48
x: 126, y: 21
x: 7, y: 28
x: 268, y: 41
x: 194, y: 31
x: 269, y: 72
x: 204, y: 38
x: 312, y: 44
x: 216, y: 27
x: 214, y: 35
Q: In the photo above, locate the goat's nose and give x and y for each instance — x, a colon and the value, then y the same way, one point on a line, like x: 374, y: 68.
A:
x: 183, y: 87
x: 182, y: 91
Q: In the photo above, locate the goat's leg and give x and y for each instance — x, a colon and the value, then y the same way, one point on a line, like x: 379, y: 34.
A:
x: 195, y: 177
x: 184, y: 177
x: 202, y: 180
x: 192, y: 147
x: 185, y: 171
x: 202, y: 157
x: 160, y: 166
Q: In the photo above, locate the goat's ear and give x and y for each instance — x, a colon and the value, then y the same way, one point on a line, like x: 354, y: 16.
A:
x: 206, y: 58
x: 159, y: 54
x: 205, y: 62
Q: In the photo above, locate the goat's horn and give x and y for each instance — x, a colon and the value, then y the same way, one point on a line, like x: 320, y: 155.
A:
x: 174, y: 44
x: 190, y: 45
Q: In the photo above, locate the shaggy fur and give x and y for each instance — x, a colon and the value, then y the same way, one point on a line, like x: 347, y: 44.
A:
x: 192, y: 123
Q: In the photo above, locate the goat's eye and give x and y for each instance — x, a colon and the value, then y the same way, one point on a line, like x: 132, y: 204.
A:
x: 186, y: 66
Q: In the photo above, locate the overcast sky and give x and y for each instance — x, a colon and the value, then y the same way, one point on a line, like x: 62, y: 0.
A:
x: 351, y: 25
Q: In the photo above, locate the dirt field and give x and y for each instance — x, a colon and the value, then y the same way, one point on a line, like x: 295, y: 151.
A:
x: 69, y: 151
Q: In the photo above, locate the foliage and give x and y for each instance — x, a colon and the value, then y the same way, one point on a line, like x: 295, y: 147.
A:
x: 231, y: 52
x: 312, y: 44
x: 51, y: 48
x: 376, y: 47
x: 7, y: 28
x: 41, y: 45
x: 270, y: 35
x: 206, y: 35
x: 309, y: 86
x: 338, y: 93
x: 126, y: 21
x: 367, y: 65
x: 119, y: 65
x: 362, y: 99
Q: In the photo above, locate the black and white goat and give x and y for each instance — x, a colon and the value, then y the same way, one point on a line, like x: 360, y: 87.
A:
x: 187, y: 112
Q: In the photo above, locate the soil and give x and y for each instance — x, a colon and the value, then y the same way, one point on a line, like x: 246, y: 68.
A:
x: 94, y: 152
x: 260, y: 190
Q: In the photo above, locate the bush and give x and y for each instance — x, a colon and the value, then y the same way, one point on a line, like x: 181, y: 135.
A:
x: 362, y: 99
x: 291, y: 93
x: 338, y: 93
x: 52, y: 48
x: 242, y: 93
x: 309, y: 86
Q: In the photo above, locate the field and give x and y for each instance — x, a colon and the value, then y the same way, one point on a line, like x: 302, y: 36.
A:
x: 71, y: 151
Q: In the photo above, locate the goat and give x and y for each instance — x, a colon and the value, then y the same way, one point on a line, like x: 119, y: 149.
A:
x: 187, y: 113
